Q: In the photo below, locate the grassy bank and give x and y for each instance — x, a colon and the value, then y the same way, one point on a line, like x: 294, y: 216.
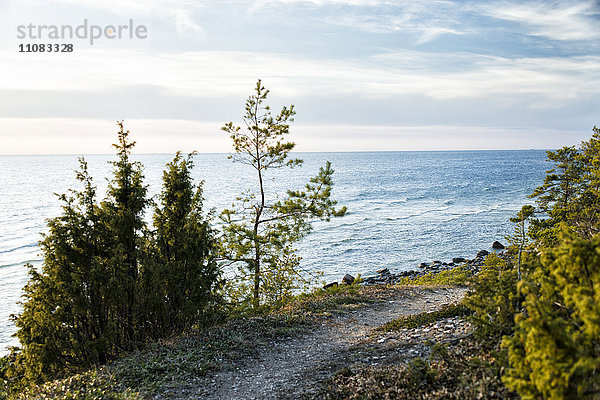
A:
x: 180, y: 362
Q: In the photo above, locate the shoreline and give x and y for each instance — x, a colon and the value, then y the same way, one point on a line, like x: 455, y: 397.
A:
x: 386, y: 277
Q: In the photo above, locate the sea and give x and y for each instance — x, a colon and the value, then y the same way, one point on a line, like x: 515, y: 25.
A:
x: 404, y: 208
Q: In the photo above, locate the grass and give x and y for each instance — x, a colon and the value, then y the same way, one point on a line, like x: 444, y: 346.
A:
x: 415, y: 321
x: 457, y: 276
x: 169, y: 364
x: 462, y: 372
x: 331, y: 300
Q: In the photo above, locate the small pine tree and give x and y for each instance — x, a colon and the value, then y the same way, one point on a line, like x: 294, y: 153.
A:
x: 259, y: 235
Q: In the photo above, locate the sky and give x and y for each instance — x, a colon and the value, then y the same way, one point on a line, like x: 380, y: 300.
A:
x: 363, y: 75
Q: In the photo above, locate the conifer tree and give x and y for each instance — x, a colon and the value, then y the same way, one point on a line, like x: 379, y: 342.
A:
x: 65, y: 321
x: 107, y: 284
x: 570, y: 192
x: 555, y: 351
x: 124, y: 208
x: 184, y: 245
x: 258, y: 234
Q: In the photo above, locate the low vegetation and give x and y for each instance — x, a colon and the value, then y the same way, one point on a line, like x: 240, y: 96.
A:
x: 456, y: 276
x: 462, y: 372
x: 415, y: 321
x: 180, y: 361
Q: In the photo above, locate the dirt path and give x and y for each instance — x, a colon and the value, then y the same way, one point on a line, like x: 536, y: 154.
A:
x: 290, y: 367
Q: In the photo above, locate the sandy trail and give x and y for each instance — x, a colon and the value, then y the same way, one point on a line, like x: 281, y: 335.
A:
x: 290, y: 367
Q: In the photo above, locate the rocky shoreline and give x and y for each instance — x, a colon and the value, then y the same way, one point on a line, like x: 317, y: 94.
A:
x: 386, y: 277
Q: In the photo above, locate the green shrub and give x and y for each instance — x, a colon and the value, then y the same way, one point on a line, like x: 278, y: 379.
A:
x: 494, y: 299
x: 555, y: 351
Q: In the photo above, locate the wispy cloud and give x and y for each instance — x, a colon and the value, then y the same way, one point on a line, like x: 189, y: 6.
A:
x: 425, y: 20
x: 178, y: 12
x: 549, y: 82
x: 562, y: 20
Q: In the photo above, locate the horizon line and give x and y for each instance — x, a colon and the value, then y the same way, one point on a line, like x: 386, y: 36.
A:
x: 293, y: 152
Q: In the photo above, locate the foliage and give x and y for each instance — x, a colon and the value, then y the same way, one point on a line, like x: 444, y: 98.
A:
x: 415, y: 321
x: 519, y: 237
x: 259, y: 234
x: 107, y: 284
x: 555, y: 352
x: 570, y: 193
x: 124, y: 210
x: 461, y: 372
x: 183, y: 273
x: 65, y: 320
x: 494, y: 298
x: 457, y: 276
x: 542, y: 297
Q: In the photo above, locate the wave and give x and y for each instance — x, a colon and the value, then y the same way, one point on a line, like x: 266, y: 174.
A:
x: 416, y: 214
x: 418, y: 197
x: 22, y: 263
x: 348, y: 251
x: 26, y: 246
x: 331, y: 227
x: 399, y: 201
x: 458, y: 215
x: 342, y: 242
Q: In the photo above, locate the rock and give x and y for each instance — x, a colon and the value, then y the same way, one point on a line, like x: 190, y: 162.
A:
x: 437, y: 262
x: 497, y: 245
x: 482, y: 253
x: 332, y: 284
x: 458, y: 260
x: 423, y: 265
x: 384, y: 271
x: 348, y: 279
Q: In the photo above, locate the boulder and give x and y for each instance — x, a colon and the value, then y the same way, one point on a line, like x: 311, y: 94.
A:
x: 384, y: 271
x: 458, y: 260
x: 423, y: 265
x: 497, y: 245
x: 332, y: 284
x: 348, y: 279
x: 482, y: 253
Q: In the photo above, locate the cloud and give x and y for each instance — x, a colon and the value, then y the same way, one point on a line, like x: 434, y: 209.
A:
x: 178, y: 12
x: 563, y: 21
x: 547, y: 81
x: 427, y: 21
